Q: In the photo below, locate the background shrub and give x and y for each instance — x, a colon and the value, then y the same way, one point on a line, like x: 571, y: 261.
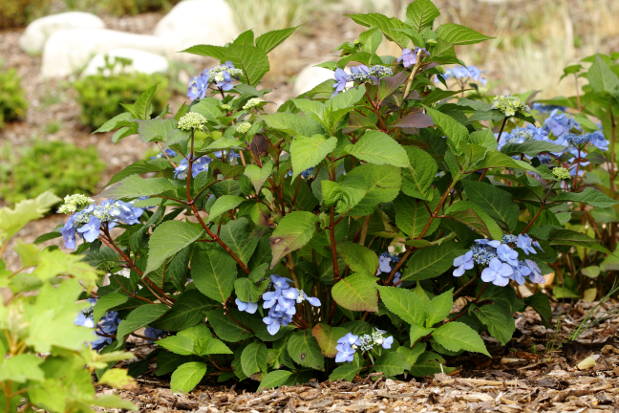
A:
x: 101, y: 97
x: 120, y: 7
x: 13, y: 103
x: 37, y: 171
x: 15, y: 13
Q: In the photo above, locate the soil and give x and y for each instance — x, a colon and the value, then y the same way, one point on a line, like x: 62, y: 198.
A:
x: 541, y: 370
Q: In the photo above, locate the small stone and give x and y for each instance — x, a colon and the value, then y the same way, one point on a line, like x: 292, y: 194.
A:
x: 588, y: 362
x: 310, y: 77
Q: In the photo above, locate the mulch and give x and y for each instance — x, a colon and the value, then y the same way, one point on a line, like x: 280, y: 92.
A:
x: 537, y: 372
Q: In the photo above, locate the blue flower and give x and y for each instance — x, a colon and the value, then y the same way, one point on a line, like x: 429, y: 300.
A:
x: 346, y: 348
x: 199, y: 165
x: 559, y: 123
x: 250, y: 308
x: 341, y: 79
x: 221, y: 76
x: 153, y: 333
x: 409, y: 57
x: 507, y: 254
x: 526, y: 244
x: 384, y: 263
x: 462, y: 263
x: 497, y: 272
x: 387, y: 342
x: 198, y: 86
x: 166, y: 153
x: 598, y: 140
x: 465, y: 72
x: 540, y: 107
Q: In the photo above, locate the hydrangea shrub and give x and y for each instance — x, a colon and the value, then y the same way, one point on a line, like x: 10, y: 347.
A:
x: 378, y: 223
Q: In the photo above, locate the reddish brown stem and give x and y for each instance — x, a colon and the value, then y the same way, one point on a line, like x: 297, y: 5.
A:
x: 332, y: 242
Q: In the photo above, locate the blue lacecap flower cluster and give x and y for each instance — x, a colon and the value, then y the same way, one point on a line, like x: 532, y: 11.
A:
x: 559, y: 128
x: 221, y: 76
x: 87, y: 222
x: 501, y: 261
x: 200, y: 163
x: 105, y: 329
x: 359, y: 74
x: 385, y: 265
x: 465, y: 73
x: 281, y: 302
x: 409, y: 57
x: 350, y: 343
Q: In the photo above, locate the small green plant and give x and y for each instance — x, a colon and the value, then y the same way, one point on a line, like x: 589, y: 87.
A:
x: 15, y: 13
x: 37, y: 170
x: 120, y: 7
x: 103, y: 95
x: 44, y: 360
x: 13, y: 103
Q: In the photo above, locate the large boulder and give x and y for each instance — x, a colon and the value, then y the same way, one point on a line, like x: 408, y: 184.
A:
x: 193, y: 22
x: 310, y: 77
x: 68, y: 51
x: 36, y: 34
x: 141, y: 62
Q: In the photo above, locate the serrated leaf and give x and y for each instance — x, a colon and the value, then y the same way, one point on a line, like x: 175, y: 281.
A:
x: 589, y: 196
x: 294, y: 231
x: 457, y: 134
x: 439, y: 308
x: 475, y: 217
x: 254, y: 358
x: 304, y: 350
x: 411, y: 216
x: 258, y: 175
x: 390, y: 26
x: 117, y: 378
x: 458, y: 35
x: 134, y: 186
x: 270, y: 40
x: 223, y: 204
x: 356, y: 292
x: 238, y: 236
x: 169, y: 238
x: 572, y: 238
x: 327, y: 337
x: 410, y: 305
x: 498, y: 321
x: 307, y: 152
x: 456, y: 336
x: 187, y: 376
x: 274, y: 378
x: 432, y: 261
x: 293, y: 123
x: 416, y: 180
x: 106, y: 302
x: 139, y: 317
x: 214, y: 272
x: 188, y: 310
x: 20, y: 368
x: 226, y: 328
x: 495, y: 201
x: 378, y: 148
x: 382, y: 183
x: 602, y: 78
x: 421, y: 13
x: 358, y: 258
x: 178, y: 344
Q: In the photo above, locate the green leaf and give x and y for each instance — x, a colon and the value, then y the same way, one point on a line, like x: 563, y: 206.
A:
x: 178, y: 344
x: 107, y: 302
x: 396, y: 362
x: 157, y: 130
x: 475, y: 217
x: 254, y: 358
x: 458, y: 35
x: 187, y: 376
x: 223, y: 204
x: 439, y: 308
x: 356, y: 292
x: 274, y: 378
x: 226, y: 328
x: 390, y: 26
x: 169, y: 238
x: 117, y: 378
x: 457, y: 134
x: 304, y: 350
x: 112, y: 401
x: 416, y: 332
x: 218, y: 52
x: 498, y: 320
x: 258, y: 175
x: 421, y: 14
x: 293, y: 123
x: 382, y: 183
x: 134, y: 186
x: 307, y: 152
x: 602, y: 78
x: 139, y: 317
x: 238, y: 236
x: 251, y: 60
x: 531, y: 148
x: 14, y: 219
x: 416, y: 180
x: 410, y: 305
x: 188, y: 310
x: 327, y: 337
x: 209, y: 108
x: 346, y: 100
x: 411, y: 216
x: 495, y: 201
x: 589, y: 196
x: 140, y: 167
x: 214, y: 272
x: 358, y: 258
x: 21, y: 368
x: 143, y: 107
x: 456, y: 336
x: 380, y: 149
x: 541, y: 304
x: 294, y: 231
x: 573, y: 238
x: 345, y: 195
x: 247, y: 291
x: 346, y: 371
x: 432, y: 261
x: 495, y: 159
x: 270, y: 40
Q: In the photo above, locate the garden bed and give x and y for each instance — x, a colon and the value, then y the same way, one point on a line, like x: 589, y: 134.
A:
x: 537, y: 373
